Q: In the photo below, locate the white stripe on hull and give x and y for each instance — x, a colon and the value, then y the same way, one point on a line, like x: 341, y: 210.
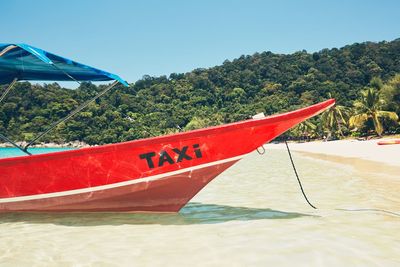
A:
x: 115, y: 185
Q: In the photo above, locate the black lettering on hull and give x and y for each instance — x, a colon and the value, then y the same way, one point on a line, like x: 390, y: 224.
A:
x: 164, y: 157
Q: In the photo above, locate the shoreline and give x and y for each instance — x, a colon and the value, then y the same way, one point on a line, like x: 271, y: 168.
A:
x: 74, y: 144
x: 351, y: 149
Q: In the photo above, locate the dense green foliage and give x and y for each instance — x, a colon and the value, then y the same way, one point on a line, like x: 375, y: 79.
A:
x: 264, y: 82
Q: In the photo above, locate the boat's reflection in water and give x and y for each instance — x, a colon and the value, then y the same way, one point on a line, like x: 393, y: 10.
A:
x: 193, y: 213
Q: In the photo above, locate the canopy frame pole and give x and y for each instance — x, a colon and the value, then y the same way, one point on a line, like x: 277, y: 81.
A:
x: 66, y: 73
x: 14, y: 144
x: 3, y: 137
x: 69, y: 116
x: 5, y: 93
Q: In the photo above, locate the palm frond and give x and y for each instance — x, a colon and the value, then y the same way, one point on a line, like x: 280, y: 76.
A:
x: 388, y: 114
x: 358, y: 120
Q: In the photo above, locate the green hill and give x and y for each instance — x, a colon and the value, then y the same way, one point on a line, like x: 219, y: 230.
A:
x: 263, y: 82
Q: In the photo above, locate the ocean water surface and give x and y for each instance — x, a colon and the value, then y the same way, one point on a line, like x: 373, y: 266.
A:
x: 7, y: 152
x: 251, y: 215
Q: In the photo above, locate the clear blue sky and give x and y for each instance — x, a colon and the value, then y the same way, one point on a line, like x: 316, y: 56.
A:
x: 133, y: 38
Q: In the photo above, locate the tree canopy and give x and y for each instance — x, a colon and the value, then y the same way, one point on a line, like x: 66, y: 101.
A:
x: 236, y: 90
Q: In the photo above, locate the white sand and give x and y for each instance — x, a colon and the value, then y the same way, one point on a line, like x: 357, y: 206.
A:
x: 368, y: 150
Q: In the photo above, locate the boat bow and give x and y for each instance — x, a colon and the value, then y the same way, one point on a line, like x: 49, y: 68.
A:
x: 156, y: 174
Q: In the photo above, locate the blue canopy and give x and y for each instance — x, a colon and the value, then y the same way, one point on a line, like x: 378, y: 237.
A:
x: 25, y: 62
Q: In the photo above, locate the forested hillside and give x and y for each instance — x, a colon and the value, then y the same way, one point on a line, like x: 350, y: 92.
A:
x: 263, y: 82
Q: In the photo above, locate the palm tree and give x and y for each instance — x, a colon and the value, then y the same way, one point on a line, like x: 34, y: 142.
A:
x: 368, y: 107
x: 334, y: 119
x: 305, y: 130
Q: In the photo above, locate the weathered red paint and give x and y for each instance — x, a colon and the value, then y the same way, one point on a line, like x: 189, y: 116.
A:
x: 108, y: 165
x: 167, y: 194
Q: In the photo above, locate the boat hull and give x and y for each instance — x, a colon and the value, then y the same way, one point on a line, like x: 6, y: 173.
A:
x: 389, y: 142
x: 165, y: 193
x: 158, y: 174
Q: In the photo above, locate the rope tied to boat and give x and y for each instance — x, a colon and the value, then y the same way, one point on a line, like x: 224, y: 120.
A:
x: 297, y: 176
x: 396, y: 214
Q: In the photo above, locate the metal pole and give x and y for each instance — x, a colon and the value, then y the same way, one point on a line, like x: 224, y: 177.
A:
x: 5, y: 138
x: 8, y: 89
x: 14, y: 144
x: 78, y: 109
x: 66, y: 73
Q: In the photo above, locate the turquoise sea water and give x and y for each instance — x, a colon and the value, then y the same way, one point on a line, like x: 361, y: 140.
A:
x: 15, y: 152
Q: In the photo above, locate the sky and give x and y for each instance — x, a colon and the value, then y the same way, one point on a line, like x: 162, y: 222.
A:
x: 154, y: 37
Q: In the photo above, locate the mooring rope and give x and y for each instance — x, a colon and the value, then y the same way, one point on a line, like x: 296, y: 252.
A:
x: 348, y: 210
x: 297, y: 176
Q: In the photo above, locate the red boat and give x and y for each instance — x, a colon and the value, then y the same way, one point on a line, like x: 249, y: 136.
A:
x: 159, y: 174
x: 389, y: 142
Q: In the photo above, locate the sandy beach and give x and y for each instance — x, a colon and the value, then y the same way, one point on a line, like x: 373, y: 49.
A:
x: 364, y: 150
